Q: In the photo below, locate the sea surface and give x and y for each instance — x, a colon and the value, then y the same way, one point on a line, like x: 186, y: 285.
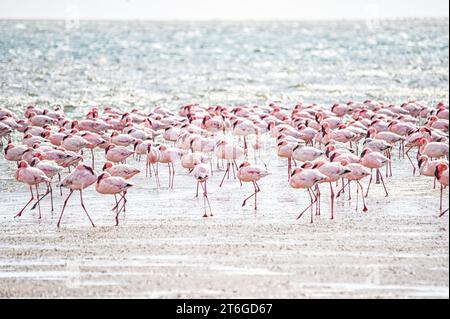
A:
x: 79, y: 64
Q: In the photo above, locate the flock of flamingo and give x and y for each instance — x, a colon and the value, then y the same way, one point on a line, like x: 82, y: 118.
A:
x: 323, y: 146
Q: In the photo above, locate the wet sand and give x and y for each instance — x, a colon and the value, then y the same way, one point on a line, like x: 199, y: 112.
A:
x: 165, y: 249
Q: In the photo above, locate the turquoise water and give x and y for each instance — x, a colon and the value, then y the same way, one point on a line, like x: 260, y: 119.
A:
x: 80, y: 63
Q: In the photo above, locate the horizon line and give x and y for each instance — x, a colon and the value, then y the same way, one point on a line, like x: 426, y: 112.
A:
x: 230, y: 20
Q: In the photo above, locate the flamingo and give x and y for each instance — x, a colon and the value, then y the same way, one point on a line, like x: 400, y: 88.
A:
x: 441, y: 174
x: 113, y: 185
x: 230, y: 153
x: 32, y: 177
x: 251, y: 173
x: 169, y: 156
x: 374, y: 160
x: 82, y: 177
x: 333, y: 171
x: 201, y: 173
x: 306, y: 179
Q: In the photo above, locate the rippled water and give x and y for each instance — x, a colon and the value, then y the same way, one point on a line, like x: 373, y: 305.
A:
x: 146, y: 63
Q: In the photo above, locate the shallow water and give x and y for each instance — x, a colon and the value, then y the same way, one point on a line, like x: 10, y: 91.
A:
x: 163, y: 247
x: 80, y: 64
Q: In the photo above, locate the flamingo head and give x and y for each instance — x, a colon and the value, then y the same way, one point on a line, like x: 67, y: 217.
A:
x: 365, y: 152
x: 422, y: 159
x: 107, y: 165
x: 307, y: 164
x: 102, y: 176
x: 22, y: 164
x: 296, y: 171
x: 440, y: 168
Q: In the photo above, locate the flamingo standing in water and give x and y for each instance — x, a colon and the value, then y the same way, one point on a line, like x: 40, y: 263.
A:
x: 201, y: 173
x: 169, y: 156
x: 113, y: 185
x: 374, y: 160
x: 251, y: 173
x: 333, y: 171
x: 33, y: 177
x: 230, y: 153
x: 357, y: 172
x: 441, y: 174
x: 306, y: 179
x: 82, y: 177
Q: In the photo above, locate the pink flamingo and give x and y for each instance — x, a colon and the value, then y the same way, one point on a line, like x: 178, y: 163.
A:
x: 113, y: 185
x: 284, y: 149
x: 14, y: 153
x: 306, y: 179
x: 374, y: 160
x: 33, y: 177
x: 427, y: 167
x: 117, y: 154
x: 333, y: 171
x: 82, y: 177
x: 201, y: 173
x: 50, y: 169
x: 357, y: 172
x: 441, y: 174
x: 169, y: 156
x: 251, y: 173
x: 230, y: 153
x: 121, y: 170
x: 433, y: 149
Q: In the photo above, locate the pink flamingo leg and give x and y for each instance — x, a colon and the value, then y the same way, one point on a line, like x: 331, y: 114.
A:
x: 225, y: 174
x: 318, y: 200
x: 31, y: 199
x: 253, y: 194
x: 38, y: 201
x: 196, y: 194
x: 409, y: 158
x: 310, y: 205
x: 207, y: 199
x: 332, y: 201
x: 365, y: 209
x: 370, y: 182
x: 64, y: 207
x: 382, y: 181
x: 84, y: 208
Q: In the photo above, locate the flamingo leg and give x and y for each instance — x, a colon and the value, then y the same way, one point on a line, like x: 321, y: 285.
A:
x: 310, y: 205
x: 409, y: 158
x: 28, y: 203
x: 92, y: 156
x: 64, y: 206
x: 225, y: 174
x: 49, y: 191
x: 370, y: 182
x: 207, y: 199
x: 289, y: 168
x: 332, y: 201
x: 257, y: 190
x: 318, y: 199
x: 382, y: 181
x: 84, y: 208
x: 253, y: 194
x: 196, y: 194
x: 234, y: 173
x: 349, y: 192
x: 342, y: 190
x: 38, y: 201
x: 362, y: 196
x: 173, y: 174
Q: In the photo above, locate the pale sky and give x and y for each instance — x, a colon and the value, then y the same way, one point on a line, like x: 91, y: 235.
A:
x: 222, y: 9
